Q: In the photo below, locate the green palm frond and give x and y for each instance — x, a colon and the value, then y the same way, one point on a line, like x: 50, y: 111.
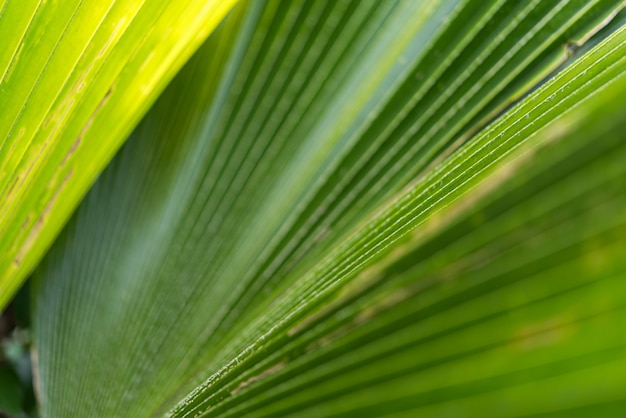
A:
x: 334, y: 209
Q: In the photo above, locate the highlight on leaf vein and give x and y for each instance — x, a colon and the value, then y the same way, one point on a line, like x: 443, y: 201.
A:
x: 312, y: 208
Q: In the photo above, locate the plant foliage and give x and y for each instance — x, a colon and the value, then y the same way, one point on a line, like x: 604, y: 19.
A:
x: 335, y: 208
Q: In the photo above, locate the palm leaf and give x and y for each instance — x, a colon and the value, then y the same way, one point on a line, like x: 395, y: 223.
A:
x: 515, y: 282
x: 319, y: 217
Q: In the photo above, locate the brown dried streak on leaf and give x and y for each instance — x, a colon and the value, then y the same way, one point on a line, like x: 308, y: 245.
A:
x: 258, y: 377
